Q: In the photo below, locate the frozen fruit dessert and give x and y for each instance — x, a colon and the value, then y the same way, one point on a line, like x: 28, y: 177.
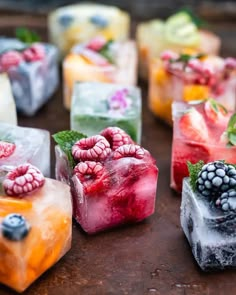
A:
x: 180, y: 32
x: 29, y: 66
x: 21, y: 144
x: 202, y: 131
x: 7, y: 103
x: 35, y: 224
x: 73, y: 24
x: 113, y: 180
x: 100, y: 60
x: 208, y: 213
x: 96, y: 106
x: 186, y: 77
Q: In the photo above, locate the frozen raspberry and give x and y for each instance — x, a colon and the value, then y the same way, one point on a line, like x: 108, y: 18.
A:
x: 168, y: 54
x: 6, y: 149
x: 116, y: 137
x: 94, y: 148
x: 22, y: 180
x: 10, y: 59
x: 129, y: 150
x: 90, y: 174
x: 34, y: 53
x: 230, y: 63
x: 97, y: 43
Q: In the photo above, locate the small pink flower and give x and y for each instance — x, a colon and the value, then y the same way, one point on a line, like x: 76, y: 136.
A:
x: 118, y: 101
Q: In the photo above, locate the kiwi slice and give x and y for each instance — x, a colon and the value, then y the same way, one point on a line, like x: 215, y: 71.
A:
x: 181, y: 30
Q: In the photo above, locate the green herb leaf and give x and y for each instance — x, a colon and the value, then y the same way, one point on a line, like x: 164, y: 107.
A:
x: 200, y: 23
x: 231, y: 130
x: 66, y: 139
x: 106, y: 52
x: 187, y: 57
x: 217, y: 107
x: 27, y: 36
x: 194, y: 169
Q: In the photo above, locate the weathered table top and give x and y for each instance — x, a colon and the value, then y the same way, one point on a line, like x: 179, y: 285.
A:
x: 152, y: 257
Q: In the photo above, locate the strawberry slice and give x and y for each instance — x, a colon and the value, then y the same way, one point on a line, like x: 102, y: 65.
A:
x: 193, y: 126
x: 215, y: 111
x: 6, y: 149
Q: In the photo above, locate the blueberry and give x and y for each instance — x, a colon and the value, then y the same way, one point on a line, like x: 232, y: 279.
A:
x: 99, y: 20
x: 65, y: 20
x: 15, y: 227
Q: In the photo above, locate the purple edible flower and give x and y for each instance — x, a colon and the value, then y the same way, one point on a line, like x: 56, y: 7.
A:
x: 119, y: 101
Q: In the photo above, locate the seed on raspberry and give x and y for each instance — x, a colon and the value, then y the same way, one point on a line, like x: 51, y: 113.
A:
x: 129, y: 150
x: 94, y: 148
x: 34, y: 53
x: 89, y: 173
x: 6, y: 149
x: 10, y: 59
x: 22, y: 180
x: 116, y: 137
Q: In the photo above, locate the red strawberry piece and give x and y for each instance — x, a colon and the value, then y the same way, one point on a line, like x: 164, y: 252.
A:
x: 215, y: 111
x: 92, y: 175
x: 96, y: 43
x: 192, y: 152
x: 10, y: 59
x: 116, y: 137
x: 94, y: 148
x: 193, y: 126
x: 129, y: 150
x: 6, y: 149
x: 24, y: 179
x: 34, y: 53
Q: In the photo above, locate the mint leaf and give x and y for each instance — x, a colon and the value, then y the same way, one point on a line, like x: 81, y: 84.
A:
x: 200, y: 23
x: 194, y: 169
x: 66, y: 139
x: 27, y: 36
x: 231, y: 130
x: 217, y: 107
x: 105, y: 51
x: 187, y: 57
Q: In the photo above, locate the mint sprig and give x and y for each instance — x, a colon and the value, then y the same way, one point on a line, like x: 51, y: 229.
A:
x: 105, y: 51
x: 186, y: 57
x: 194, y: 169
x: 231, y: 131
x: 199, y: 22
x: 216, y: 106
x: 27, y: 36
x: 66, y: 139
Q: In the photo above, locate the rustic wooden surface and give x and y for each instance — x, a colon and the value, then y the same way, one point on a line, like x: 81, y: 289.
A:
x: 152, y: 257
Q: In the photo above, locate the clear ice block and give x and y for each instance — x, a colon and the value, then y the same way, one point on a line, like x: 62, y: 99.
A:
x: 7, y: 103
x: 154, y: 36
x: 210, y: 231
x: 31, y: 145
x: 117, y: 65
x: 33, y: 82
x: 195, y: 79
x: 115, y: 190
x: 48, y: 213
x: 198, y: 134
x: 96, y: 106
x: 73, y: 24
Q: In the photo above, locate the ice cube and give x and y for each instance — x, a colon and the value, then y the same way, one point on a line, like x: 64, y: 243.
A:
x: 38, y: 235
x: 113, y: 190
x: 96, y: 106
x: 7, y: 103
x: 33, y: 82
x: 209, y: 230
x: 31, y: 145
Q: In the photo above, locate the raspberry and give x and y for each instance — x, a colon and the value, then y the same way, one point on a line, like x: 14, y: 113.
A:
x: 10, y: 59
x: 168, y: 55
x: 34, y: 53
x: 97, y: 43
x: 6, y: 149
x: 22, y: 180
x: 90, y: 175
x: 116, y: 137
x: 94, y: 148
x: 129, y: 150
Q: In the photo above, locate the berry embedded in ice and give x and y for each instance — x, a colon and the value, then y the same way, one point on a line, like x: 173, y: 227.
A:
x: 227, y: 201
x: 22, y: 180
x: 216, y: 178
x: 129, y: 150
x: 10, y: 59
x: 6, y: 149
x: 34, y: 53
x: 116, y: 137
x: 94, y: 148
x: 15, y: 227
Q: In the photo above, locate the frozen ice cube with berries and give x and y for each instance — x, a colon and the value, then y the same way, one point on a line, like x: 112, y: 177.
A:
x: 203, y: 130
x: 113, y: 180
x: 33, y: 72
x: 35, y: 224
x: 19, y: 145
x: 208, y: 213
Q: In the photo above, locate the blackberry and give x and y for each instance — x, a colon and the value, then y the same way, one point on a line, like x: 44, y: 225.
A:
x: 227, y: 201
x: 216, y: 178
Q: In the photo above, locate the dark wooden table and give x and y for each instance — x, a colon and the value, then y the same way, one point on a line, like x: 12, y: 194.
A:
x: 152, y: 257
